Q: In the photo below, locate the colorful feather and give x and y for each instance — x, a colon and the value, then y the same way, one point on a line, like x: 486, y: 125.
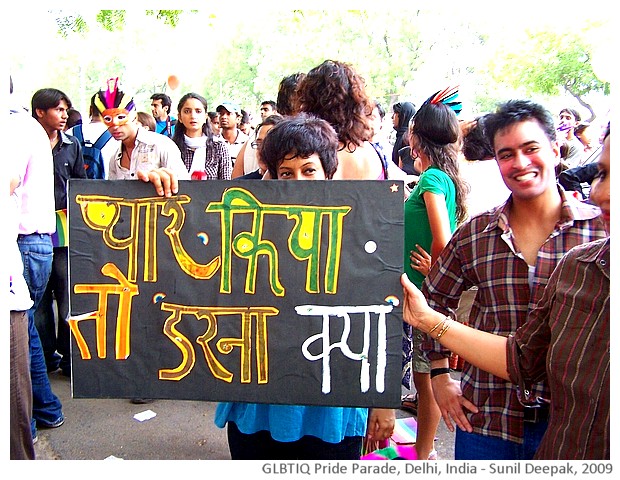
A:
x: 449, y: 97
x: 112, y: 97
x: 110, y: 93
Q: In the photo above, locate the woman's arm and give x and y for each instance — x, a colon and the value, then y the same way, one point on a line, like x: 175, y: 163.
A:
x: 482, y: 349
x: 439, y: 221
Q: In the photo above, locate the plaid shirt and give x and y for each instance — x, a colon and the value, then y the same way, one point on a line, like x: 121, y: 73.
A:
x: 566, y: 340
x: 217, y: 163
x: 482, y: 253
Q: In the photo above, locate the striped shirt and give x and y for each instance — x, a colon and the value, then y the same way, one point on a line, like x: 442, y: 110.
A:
x: 566, y: 339
x: 482, y: 253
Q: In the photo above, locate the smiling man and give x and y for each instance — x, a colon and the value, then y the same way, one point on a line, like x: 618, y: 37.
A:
x: 508, y: 253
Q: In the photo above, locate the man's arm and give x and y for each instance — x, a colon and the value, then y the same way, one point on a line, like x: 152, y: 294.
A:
x: 572, y: 178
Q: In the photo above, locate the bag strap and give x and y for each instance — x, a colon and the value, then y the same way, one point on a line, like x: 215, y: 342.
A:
x: 77, y: 133
x: 384, y: 163
x: 103, y: 139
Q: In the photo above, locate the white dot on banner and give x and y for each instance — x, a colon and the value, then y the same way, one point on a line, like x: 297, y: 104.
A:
x: 370, y: 247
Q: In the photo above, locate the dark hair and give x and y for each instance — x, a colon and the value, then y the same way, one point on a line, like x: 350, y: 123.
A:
x: 581, y: 127
x: 334, y: 92
x: 246, y: 117
x: 517, y: 111
x: 573, y: 112
x: 213, y: 115
x: 406, y: 111
x: 179, y: 131
x: 286, y: 93
x: 270, y: 103
x: 148, y: 119
x: 476, y: 145
x: 166, y: 101
x: 74, y: 118
x: 47, y: 98
x: 435, y: 131
x: 93, y: 111
x: 272, y: 119
x: 301, y: 135
x: 380, y: 109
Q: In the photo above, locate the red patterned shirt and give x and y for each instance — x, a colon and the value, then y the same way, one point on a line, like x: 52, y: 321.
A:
x: 482, y: 253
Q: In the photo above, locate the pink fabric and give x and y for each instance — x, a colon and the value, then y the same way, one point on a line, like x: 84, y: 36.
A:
x: 35, y: 167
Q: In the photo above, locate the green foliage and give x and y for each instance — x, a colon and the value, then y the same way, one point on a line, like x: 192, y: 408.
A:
x: 551, y: 63
x: 169, y: 17
x: 71, y: 24
x: 111, y: 20
x: 402, y: 54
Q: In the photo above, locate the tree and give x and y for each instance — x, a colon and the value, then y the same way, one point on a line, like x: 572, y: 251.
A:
x: 550, y: 62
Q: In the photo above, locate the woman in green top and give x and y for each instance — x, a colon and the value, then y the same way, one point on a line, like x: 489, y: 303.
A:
x: 434, y: 209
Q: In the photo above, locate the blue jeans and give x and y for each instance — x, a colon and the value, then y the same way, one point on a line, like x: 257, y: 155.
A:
x: 474, y: 446
x: 37, y: 252
x: 55, y: 338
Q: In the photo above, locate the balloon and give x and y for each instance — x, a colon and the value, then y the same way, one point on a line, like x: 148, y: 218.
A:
x: 173, y: 82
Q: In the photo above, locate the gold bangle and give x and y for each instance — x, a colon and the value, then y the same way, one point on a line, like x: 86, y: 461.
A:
x: 436, y: 326
x: 445, y: 328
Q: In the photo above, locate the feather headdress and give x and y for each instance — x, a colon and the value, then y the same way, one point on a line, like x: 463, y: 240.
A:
x: 112, y: 97
x: 449, y: 97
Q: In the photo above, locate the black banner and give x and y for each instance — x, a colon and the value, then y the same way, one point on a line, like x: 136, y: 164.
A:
x: 255, y: 291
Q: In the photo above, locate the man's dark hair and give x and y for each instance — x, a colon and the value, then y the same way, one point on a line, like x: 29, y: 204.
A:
x: 74, y: 118
x: 272, y: 120
x: 300, y: 136
x: 47, y: 98
x: 573, y: 112
x: 245, y: 117
x: 270, y: 103
x: 476, y: 145
x: 166, y: 101
x: 516, y: 111
x: 581, y: 127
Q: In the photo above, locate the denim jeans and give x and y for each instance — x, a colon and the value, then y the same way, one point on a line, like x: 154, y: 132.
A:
x: 474, y: 446
x: 37, y: 251
x: 54, y: 333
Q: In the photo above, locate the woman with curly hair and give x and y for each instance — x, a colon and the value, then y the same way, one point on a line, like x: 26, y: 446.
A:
x: 334, y: 92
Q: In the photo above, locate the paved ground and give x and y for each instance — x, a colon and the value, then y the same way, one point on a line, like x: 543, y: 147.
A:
x: 97, y: 429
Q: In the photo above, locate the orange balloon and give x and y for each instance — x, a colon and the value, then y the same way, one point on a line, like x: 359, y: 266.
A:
x: 173, y: 82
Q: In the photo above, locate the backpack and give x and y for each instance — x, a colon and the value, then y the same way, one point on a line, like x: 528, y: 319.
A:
x: 93, y: 158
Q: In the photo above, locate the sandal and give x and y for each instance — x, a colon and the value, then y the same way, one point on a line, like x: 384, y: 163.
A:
x: 409, y: 403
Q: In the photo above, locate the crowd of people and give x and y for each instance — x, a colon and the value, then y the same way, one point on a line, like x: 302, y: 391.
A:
x: 516, y: 284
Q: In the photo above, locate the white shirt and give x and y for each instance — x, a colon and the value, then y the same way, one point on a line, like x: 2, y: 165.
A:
x: 31, y: 155
x: 152, y: 150
x: 487, y: 187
